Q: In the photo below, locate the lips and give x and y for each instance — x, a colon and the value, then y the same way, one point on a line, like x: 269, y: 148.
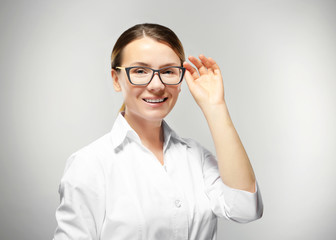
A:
x: 155, y: 100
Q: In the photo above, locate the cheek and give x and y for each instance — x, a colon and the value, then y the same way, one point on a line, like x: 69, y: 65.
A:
x: 177, y: 89
x: 125, y: 88
x: 122, y: 82
x: 130, y: 91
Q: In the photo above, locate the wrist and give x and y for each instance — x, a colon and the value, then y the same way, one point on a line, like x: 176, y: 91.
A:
x: 214, y: 109
x: 217, y: 112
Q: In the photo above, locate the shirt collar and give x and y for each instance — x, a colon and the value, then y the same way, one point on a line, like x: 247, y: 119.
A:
x: 169, y: 133
x: 122, y: 130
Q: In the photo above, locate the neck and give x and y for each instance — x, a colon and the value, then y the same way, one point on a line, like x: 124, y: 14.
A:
x: 150, y: 132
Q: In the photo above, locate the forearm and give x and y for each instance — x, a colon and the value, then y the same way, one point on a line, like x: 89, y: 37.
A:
x: 234, y: 165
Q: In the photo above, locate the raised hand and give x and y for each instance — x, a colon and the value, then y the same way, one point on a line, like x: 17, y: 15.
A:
x: 205, y: 81
x: 206, y: 85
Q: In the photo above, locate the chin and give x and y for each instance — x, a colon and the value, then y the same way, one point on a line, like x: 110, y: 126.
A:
x: 155, y: 116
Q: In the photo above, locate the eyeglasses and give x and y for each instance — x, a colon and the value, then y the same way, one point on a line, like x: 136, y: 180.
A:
x: 138, y: 75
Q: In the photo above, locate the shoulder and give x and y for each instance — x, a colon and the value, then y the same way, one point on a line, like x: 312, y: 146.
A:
x: 195, y: 147
x: 192, y: 143
x: 88, y: 165
x: 93, y: 153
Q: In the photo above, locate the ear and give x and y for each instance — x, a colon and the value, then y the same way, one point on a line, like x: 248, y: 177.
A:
x: 115, y: 79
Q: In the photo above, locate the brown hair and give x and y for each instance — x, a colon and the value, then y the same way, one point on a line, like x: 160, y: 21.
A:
x: 155, y: 31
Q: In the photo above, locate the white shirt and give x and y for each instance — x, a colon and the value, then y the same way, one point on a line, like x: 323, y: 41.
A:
x: 115, y: 188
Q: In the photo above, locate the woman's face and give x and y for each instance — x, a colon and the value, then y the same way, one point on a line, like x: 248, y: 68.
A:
x: 150, y: 53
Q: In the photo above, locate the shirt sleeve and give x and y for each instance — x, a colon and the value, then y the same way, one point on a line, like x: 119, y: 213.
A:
x: 234, y: 204
x: 81, y: 211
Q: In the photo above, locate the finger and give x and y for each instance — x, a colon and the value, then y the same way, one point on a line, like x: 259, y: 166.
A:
x: 193, y: 72
x: 205, y: 61
x: 189, y: 79
x: 198, y: 64
x: 209, y: 63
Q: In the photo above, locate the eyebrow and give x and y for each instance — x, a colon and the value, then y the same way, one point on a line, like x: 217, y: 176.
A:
x: 148, y: 65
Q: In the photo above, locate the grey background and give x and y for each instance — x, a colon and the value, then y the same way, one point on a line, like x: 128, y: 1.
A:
x: 278, y: 59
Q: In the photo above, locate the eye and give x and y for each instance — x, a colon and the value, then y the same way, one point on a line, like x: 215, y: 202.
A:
x: 140, y: 71
x: 170, y: 71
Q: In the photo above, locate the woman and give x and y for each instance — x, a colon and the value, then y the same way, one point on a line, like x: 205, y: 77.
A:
x: 143, y: 181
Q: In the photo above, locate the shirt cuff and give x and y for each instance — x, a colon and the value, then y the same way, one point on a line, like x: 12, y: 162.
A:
x: 234, y: 204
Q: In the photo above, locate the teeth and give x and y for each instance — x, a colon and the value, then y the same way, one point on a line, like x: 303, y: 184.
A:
x: 154, y: 100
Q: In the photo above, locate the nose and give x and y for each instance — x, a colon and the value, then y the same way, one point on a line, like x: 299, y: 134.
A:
x: 156, y: 84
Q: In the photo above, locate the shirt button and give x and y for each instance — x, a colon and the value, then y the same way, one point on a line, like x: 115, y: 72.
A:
x: 178, y: 203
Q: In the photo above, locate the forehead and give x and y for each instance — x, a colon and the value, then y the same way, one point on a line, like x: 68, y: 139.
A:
x: 149, y: 51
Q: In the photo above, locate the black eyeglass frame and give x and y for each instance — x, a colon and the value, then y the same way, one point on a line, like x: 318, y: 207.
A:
x: 127, y: 69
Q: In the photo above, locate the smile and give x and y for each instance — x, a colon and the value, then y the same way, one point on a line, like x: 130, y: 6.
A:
x: 158, y: 100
